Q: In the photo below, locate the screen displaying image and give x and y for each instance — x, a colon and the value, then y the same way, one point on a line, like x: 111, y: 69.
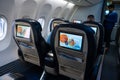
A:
x: 23, y: 31
x: 94, y: 29
x: 76, y: 21
x: 71, y: 41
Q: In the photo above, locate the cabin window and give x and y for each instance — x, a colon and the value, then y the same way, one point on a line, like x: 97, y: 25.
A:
x: 3, y: 27
x: 42, y: 21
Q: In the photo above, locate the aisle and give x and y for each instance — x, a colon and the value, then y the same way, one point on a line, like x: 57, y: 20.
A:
x: 110, y: 68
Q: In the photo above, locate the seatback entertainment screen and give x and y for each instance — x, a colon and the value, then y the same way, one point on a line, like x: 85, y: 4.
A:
x: 77, y: 21
x: 70, y: 41
x: 23, y: 31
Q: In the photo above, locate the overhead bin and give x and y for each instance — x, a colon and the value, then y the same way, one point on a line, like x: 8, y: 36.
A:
x: 84, y: 2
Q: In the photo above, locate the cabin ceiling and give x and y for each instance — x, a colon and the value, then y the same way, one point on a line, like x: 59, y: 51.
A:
x: 84, y: 2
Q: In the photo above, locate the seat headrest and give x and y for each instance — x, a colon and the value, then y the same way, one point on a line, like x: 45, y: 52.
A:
x: 32, y: 22
x: 59, y: 20
x: 93, y: 22
x: 83, y: 27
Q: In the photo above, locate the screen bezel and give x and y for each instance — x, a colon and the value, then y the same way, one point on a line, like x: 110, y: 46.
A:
x: 22, y: 38
x: 73, y: 33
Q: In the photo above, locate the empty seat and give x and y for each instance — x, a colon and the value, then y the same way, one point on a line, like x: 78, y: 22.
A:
x: 117, y: 41
x: 73, y: 46
x: 31, y: 45
x: 117, y: 38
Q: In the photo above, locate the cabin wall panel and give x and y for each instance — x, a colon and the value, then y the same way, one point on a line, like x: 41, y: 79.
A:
x: 27, y: 9
x: 14, y: 9
x: 57, y: 10
x: 7, y: 10
x: 8, y: 48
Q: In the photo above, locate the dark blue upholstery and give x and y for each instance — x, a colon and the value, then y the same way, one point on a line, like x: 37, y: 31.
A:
x: 117, y: 41
x: 91, y: 46
x: 39, y: 42
x: 117, y: 36
x: 100, y: 48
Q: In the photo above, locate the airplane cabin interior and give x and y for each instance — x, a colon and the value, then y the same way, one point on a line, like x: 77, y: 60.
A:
x: 54, y: 40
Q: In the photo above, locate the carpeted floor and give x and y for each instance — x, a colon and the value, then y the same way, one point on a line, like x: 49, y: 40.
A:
x: 110, y: 69
x: 31, y: 72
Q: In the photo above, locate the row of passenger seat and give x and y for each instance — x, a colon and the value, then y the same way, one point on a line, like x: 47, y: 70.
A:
x: 117, y: 41
x: 73, y: 50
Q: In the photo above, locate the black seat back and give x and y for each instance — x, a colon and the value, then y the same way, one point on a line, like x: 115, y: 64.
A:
x: 117, y: 38
x: 99, y: 34
x: 27, y: 34
x: 117, y: 41
x: 73, y: 46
